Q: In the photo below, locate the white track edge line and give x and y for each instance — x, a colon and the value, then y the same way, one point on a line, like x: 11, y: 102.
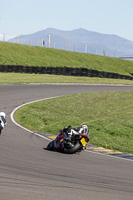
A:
x: 17, y: 124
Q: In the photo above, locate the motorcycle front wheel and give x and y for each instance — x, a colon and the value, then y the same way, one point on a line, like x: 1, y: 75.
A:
x: 73, y: 149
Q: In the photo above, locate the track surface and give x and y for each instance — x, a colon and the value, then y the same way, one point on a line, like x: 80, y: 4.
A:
x: 29, y: 172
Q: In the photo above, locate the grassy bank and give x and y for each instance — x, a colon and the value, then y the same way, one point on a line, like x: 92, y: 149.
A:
x: 11, y: 78
x: 16, y: 54
x: 109, y: 116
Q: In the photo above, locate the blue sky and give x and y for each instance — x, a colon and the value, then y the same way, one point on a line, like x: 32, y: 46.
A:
x: 21, y: 17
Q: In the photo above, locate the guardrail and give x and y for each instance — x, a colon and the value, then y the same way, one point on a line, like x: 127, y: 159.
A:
x: 66, y: 71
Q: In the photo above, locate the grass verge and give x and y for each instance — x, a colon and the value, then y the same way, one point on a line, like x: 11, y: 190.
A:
x: 109, y: 116
x: 16, y: 78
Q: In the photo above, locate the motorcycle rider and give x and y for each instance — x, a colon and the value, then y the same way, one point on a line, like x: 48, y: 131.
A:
x: 3, y: 122
x: 78, y: 130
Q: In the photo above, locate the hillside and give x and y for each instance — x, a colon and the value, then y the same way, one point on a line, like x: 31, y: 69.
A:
x: 16, y: 54
x: 79, y: 40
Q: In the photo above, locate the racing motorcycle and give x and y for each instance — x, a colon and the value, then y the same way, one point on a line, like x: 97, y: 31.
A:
x: 63, y: 144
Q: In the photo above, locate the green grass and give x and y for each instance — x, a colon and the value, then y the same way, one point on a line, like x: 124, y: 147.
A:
x: 11, y: 78
x: 16, y: 54
x: 109, y: 116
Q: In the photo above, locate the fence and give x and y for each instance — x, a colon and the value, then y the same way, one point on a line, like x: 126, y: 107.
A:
x: 49, y: 41
x: 66, y: 71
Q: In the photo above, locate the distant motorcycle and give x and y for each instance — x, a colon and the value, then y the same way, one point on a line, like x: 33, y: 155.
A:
x: 3, y: 122
x: 65, y: 145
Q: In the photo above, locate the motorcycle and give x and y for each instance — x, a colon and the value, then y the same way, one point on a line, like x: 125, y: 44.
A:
x: 63, y: 144
x: 3, y: 122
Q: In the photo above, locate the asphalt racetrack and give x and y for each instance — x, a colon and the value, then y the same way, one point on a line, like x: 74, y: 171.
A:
x: 29, y: 172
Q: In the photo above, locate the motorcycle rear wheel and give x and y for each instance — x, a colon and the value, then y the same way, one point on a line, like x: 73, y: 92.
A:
x: 50, y: 146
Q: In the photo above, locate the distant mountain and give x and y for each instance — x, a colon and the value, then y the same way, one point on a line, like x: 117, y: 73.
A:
x: 79, y: 40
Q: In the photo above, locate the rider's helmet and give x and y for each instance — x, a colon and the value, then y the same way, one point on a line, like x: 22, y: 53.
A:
x: 2, y: 114
x: 84, y: 129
